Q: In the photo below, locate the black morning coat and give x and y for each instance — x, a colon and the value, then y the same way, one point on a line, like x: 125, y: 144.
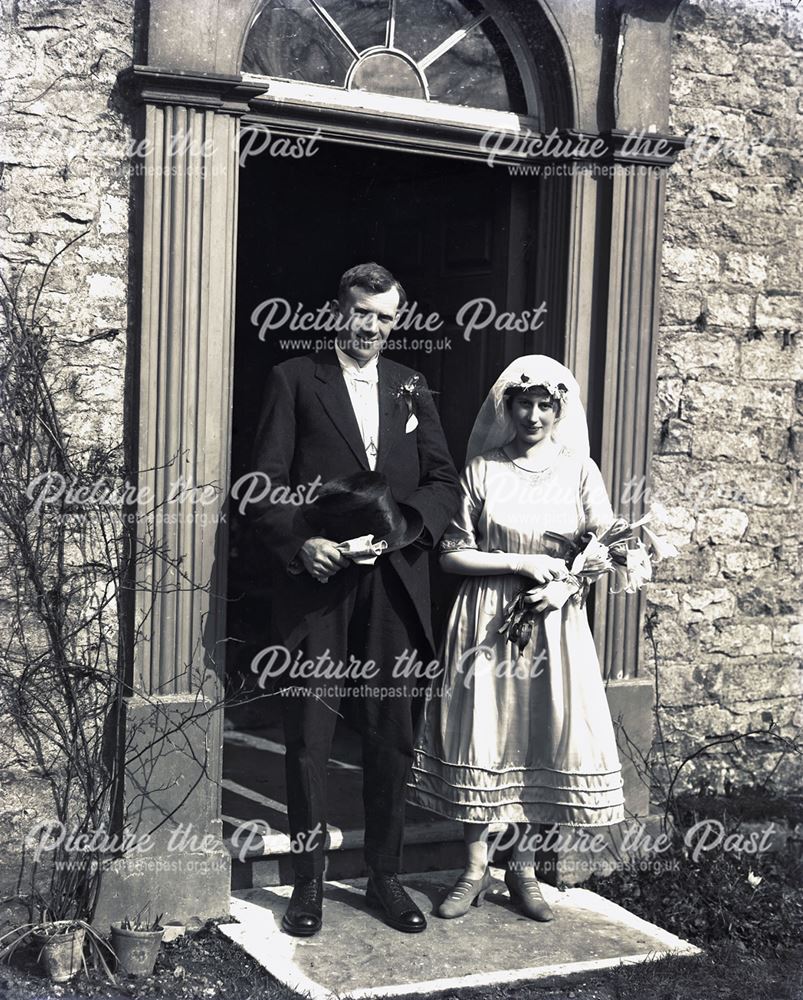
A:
x: 307, y: 430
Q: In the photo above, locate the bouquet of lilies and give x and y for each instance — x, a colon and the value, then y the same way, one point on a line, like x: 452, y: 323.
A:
x: 618, y: 551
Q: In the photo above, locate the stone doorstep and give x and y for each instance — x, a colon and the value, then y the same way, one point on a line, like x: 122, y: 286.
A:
x: 276, y: 844
x: 356, y: 955
x: 427, y: 846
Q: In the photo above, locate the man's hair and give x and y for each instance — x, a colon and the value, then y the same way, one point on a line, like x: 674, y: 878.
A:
x: 370, y: 277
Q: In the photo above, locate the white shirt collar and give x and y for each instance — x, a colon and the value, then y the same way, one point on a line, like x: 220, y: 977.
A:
x: 348, y: 364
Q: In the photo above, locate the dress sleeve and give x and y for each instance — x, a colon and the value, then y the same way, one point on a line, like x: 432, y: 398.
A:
x: 597, y: 509
x: 462, y: 532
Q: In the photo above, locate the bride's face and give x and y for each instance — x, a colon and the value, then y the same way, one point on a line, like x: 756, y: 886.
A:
x: 533, y: 415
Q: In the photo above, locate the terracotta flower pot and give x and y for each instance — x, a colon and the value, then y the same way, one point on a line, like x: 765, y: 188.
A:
x: 136, y: 950
x: 62, y: 951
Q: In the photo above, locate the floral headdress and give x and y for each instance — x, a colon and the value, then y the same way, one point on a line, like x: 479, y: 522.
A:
x: 493, y: 426
x: 556, y: 390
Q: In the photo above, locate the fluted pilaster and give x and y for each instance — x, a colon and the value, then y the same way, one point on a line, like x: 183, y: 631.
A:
x: 629, y: 386
x: 190, y: 201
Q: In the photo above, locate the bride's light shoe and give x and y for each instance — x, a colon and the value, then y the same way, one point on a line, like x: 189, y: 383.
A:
x: 466, y: 892
x: 526, y: 894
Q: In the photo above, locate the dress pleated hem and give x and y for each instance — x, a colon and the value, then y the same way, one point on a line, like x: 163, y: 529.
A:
x: 548, y: 814
x: 525, y: 795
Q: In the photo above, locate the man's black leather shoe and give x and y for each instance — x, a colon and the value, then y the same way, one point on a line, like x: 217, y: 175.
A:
x: 304, y: 916
x: 386, y: 893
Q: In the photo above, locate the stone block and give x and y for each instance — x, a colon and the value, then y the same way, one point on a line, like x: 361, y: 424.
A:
x: 694, y: 564
x: 674, y: 437
x: 707, y: 605
x: 455, y: 955
x: 731, y: 310
x: 778, y: 443
x: 686, y: 728
x: 677, y: 523
x: 766, y: 485
x: 706, y: 55
x: 795, y: 442
x: 745, y: 268
x: 733, y: 403
x: 692, y: 353
x: 787, y: 637
x: 736, y: 638
x: 675, y: 640
x: 684, y: 683
x: 106, y: 286
x: 680, y: 305
x: 113, y: 216
x: 759, y: 229
x: 182, y: 867
x: 721, y: 525
x: 668, y: 396
x: 745, y: 560
x: 187, y: 886
x: 663, y: 597
x: 768, y: 596
x: 690, y: 265
x: 724, y: 191
x: 763, y: 680
x: 775, y: 356
x: 712, y: 441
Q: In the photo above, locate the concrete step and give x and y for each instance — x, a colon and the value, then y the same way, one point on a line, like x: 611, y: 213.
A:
x: 356, y: 955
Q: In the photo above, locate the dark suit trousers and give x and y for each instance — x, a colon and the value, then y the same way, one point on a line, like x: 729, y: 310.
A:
x: 374, y: 621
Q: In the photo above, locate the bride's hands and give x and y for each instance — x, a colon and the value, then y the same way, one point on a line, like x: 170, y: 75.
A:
x: 551, y: 597
x: 541, y: 568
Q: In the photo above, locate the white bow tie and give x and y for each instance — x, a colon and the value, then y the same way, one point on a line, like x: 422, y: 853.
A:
x: 370, y: 378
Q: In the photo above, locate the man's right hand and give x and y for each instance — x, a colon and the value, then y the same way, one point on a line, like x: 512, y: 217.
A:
x: 542, y: 568
x: 321, y: 558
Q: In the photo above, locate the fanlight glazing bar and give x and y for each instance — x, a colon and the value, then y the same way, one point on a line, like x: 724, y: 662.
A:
x: 451, y: 41
x: 334, y: 27
x: 390, y: 27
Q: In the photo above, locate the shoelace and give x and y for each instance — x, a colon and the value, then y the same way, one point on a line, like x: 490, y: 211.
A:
x: 392, y: 887
x: 306, y: 892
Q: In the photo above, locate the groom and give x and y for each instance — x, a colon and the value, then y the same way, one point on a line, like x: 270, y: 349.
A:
x: 324, y: 417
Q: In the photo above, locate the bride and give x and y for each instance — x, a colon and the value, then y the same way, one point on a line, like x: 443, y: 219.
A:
x: 520, y: 735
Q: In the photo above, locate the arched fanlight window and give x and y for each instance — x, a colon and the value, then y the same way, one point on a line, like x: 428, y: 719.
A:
x: 445, y: 51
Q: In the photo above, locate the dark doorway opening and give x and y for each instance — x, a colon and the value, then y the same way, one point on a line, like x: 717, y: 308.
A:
x: 453, y: 232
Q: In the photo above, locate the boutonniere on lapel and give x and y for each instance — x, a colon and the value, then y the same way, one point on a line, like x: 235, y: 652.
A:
x: 411, y: 390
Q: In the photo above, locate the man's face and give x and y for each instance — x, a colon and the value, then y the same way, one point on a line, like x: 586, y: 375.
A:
x: 369, y: 319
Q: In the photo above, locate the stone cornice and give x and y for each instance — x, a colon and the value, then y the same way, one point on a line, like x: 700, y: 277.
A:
x: 231, y: 94
x: 655, y: 149
x: 222, y: 92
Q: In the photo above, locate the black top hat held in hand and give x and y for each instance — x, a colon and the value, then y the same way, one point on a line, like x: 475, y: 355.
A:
x: 362, y: 504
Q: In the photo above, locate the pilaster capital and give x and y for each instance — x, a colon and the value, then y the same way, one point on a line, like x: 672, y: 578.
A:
x: 228, y: 94
x: 648, y: 10
x: 640, y: 147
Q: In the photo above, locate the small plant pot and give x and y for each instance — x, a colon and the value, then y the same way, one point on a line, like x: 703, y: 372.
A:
x: 62, y: 953
x: 136, y: 951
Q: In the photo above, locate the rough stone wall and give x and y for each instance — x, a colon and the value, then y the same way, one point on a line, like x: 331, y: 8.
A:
x: 729, y: 416
x: 65, y: 138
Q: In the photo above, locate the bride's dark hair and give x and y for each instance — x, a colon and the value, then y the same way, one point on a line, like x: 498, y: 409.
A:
x: 530, y: 390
